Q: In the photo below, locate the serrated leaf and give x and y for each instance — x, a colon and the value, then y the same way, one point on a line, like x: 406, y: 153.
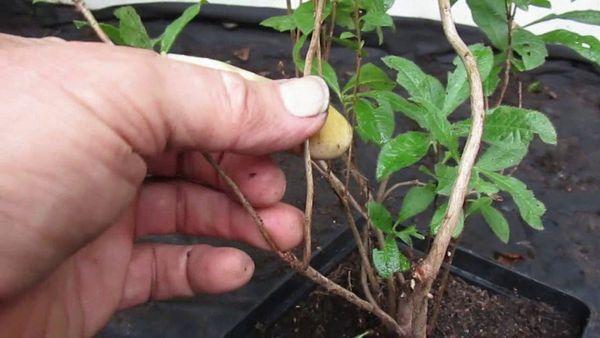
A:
x: 399, y: 104
x: 416, y: 200
x: 406, y: 235
x: 587, y: 46
x: 173, y: 30
x: 511, y: 124
x: 437, y: 123
x: 457, y: 89
x: 493, y: 79
x: 372, y: 77
x: 502, y: 155
x: 373, y: 20
x: 417, y: 83
x: 490, y: 16
x: 389, y: 260
x: 589, y: 16
x: 280, y: 23
x: 374, y: 124
x: 404, y: 150
x: 475, y: 206
x: 530, y: 208
x: 446, y: 176
x: 496, y: 221
x: 438, y: 216
x: 380, y: 216
x: 530, y: 47
x: 131, y: 28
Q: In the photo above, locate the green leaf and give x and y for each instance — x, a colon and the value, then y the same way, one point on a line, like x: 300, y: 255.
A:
x: 524, y: 4
x: 590, y: 17
x: 280, y: 23
x: 406, y: 234
x: 304, y: 16
x: 446, y: 176
x: 373, y: 19
x: 502, y: 155
x: 416, y: 200
x: 493, y: 79
x: 404, y: 150
x: 174, y: 28
x: 327, y: 72
x: 438, y: 216
x: 530, y: 208
x: 380, y: 217
x: 111, y: 31
x: 374, y: 124
x: 372, y: 77
x: 400, y: 104
x: 530, y: 47
x: 347, y: 35
x: 496, y: 221
x: 475, y: 206
x: 417, y: 83
x: 457, y: 89
x: 389, y: 260
x: 587, y: 46
x: 490, y: 16
x: 132, y: 29
x: 518, y: 125
x: 437, y: 123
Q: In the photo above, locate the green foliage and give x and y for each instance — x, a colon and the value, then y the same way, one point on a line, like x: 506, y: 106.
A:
x: 380, y: 217
x: 530, y: 208
x: 389, y: 260
x: 131, y: 31
x: 371, y: 77
x: 416, y: 200
x: 530, y: 47
x: 438, y: 217
x: 374, y: 124
x: 590, y: 17
x: 174, y: 29
x: 400, y: 152
x: 490, y: 16
x: 587, y: 46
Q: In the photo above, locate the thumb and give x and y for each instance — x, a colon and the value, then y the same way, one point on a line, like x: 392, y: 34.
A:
x: 156, y: 102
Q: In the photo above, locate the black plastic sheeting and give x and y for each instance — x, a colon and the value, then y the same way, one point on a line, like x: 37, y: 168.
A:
x: 565, y: 177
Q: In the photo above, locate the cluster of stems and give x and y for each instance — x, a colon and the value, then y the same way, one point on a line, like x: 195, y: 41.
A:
x: 400, y: 301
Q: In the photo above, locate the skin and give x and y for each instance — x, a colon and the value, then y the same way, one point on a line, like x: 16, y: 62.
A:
x: 83, y: 125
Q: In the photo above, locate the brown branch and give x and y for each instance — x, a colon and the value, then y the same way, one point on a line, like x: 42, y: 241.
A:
x: 89, y: 17
x: 296, y: 264
x: 310, y: 186
x: 427, y: 270
x: 510, y: 15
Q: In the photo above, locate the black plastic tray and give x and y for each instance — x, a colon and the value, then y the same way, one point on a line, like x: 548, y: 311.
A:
x: 466, y: 264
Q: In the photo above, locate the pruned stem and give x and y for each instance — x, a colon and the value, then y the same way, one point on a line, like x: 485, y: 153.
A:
x: 427, y: 270
x: 89, y: 17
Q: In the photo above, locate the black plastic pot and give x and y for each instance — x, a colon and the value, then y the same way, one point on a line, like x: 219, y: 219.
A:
x: 466, y: 264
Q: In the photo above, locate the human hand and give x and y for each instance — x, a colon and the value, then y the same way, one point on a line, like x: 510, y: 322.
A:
x: 83, y: 124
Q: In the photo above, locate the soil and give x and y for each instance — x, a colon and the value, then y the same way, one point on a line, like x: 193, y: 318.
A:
x: 466, y: 311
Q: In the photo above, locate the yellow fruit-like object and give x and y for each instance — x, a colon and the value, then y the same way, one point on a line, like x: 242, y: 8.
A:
x: 331, y: 141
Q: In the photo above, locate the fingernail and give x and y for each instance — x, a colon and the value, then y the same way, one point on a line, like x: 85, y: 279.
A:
x: 305, y: 97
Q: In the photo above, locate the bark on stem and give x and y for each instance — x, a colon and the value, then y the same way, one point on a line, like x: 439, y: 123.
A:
x: 310, y: 187
x: 428, y: 269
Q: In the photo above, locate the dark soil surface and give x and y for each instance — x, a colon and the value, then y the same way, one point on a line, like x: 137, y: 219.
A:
x: 466, y: 311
